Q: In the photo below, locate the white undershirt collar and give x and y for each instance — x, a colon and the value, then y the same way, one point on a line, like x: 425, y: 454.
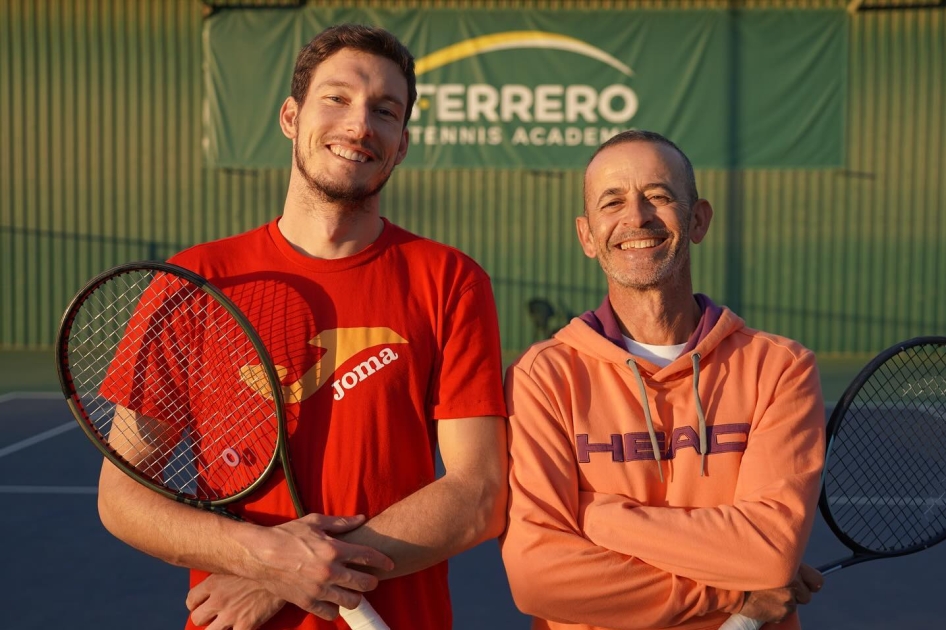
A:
x: 658, y: 355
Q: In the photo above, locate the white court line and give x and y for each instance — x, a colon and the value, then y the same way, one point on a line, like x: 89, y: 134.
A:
x: 29, y: 396
x: 48, y: 490
x: 45, y: 435
x: 39, y: 437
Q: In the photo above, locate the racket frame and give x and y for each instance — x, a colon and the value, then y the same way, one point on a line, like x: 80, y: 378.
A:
x: 861, y: 553
x: 281, y: 452
x: 364, y: 616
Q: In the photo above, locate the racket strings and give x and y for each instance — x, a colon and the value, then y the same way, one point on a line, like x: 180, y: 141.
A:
x: 886, y: 476
x: 163, y: 347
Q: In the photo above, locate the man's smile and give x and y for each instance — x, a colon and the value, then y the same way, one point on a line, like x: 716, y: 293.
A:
x: 640, y: 244
x: 349, y: 154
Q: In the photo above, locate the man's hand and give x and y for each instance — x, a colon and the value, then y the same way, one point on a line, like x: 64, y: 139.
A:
x: 302, y: 563
x: 225, y: 602
x: 807, y: 581
x: 773, y: 605
x: 770, y: 606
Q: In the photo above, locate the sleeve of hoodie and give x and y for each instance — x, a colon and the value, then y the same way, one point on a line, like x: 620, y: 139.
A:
x: 555, y: 572
x: 773, y: 506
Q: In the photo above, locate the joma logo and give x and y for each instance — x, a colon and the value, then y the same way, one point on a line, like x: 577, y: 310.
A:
x: 340, y: 344
x: 362, y: 371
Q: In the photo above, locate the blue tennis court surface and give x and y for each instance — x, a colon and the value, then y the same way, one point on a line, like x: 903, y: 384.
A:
x: 61, y: 569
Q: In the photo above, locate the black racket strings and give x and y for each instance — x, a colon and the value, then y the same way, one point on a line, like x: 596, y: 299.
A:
x: 885, y: 480
x: 97, y: 332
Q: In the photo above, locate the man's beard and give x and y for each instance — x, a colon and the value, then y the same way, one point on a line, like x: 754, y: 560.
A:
x: 345, y: 192
x: 665, y: 271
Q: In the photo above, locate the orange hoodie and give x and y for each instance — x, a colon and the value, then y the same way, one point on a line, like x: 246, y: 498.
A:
x: 602, y: 534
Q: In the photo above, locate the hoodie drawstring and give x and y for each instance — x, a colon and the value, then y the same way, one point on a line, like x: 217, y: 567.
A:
x: 645, y: 403
x: 699, y: 410
x: 650, y: 421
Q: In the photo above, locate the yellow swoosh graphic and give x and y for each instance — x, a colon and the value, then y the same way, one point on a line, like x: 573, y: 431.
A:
x: 510, y: 40
x: 340, y: 345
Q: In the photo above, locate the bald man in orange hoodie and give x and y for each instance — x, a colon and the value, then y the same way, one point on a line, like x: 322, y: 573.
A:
x: 665, y: 457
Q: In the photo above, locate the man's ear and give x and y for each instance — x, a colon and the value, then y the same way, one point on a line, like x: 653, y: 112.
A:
x: 288, y: 114
x: 583, y: 227
x: 402, y: 148
x: 702, y: 214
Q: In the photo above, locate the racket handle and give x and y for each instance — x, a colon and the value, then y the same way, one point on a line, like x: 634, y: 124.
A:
x: 364, y: 617
x: 738, y: 622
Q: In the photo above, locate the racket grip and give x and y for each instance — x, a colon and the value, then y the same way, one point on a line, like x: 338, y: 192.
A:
x: 364, y: 617
x: 738, y: 622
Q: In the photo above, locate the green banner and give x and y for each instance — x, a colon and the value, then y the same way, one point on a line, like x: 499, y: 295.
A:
x: 541, y: 89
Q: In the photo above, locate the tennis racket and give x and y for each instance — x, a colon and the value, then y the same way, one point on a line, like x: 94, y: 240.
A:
x: 210, y: 424
x: 883, y: 490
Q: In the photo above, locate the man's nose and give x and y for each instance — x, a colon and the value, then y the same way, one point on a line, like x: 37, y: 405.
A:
x: 637, y: 212
x: 358, y: 120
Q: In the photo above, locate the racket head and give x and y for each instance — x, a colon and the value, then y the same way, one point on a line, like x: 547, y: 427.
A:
x: 883, y: 491
x: 161, y: 340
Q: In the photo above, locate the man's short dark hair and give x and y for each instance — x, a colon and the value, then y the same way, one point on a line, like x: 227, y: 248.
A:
x: 367, y: 39
x: 641, y: 135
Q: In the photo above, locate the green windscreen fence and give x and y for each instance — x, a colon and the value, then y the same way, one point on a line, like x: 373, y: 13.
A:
x: 540, y: 89
x: 105, y: 111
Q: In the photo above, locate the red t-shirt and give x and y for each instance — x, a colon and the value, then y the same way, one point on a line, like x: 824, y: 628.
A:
x: 371, y: 350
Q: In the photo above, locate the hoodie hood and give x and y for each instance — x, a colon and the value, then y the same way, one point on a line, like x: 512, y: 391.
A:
x: 594, y: 331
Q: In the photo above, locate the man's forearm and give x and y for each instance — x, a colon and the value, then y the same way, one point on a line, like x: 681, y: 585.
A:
x: 300, y: 561
x: 170, y: 531
x: 457, y: 511
x: 438, y: 521
x: 708, y: 545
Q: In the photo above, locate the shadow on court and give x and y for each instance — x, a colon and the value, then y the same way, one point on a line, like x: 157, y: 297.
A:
x: 60, y: 568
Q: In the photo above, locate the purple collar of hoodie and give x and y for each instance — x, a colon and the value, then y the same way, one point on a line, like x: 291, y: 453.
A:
x: 603, y: 321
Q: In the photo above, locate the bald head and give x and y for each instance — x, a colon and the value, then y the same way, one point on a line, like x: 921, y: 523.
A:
x: 677, y: 159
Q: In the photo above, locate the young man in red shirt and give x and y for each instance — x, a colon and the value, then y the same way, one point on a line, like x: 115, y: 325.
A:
x: 387, y: 344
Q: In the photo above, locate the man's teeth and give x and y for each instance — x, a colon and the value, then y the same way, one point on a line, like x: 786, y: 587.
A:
x: 348, y: 154
x: 651, y: 242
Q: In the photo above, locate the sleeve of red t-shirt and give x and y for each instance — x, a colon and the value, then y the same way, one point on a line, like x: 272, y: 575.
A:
x: 149, y: 371
x: 468, y: 380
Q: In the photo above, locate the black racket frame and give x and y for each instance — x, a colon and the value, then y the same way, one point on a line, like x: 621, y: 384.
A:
x: 862, y: 554
x: 281, y: 452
